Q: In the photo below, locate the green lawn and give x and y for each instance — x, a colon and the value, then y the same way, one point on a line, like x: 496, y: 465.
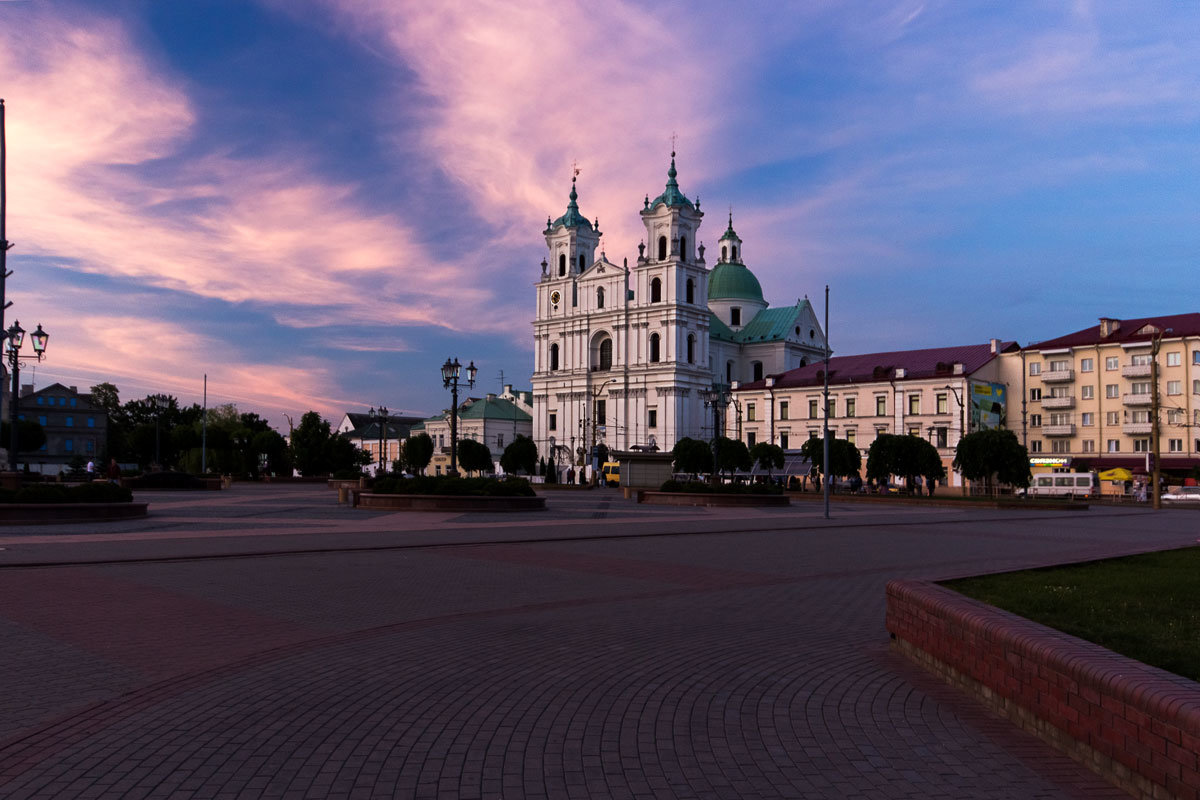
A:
x: 1146, y: 607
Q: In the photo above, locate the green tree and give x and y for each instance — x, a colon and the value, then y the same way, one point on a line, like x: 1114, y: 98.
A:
x: 908, y: 456
x: 310, y: 445
x: 474, y: 456
x: 519, y: 456
x: 768, y: 456
x: 692, y: 456
x: 732, y: 455
x: 993, y: 455
x: 844, y: 459
x: 418, y: 452
x: 29, y: 434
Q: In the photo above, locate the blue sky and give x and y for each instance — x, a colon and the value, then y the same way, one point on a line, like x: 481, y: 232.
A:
x: 315, y: 202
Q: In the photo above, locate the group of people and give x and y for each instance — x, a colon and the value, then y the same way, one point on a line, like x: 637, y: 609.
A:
x: 113, y: 473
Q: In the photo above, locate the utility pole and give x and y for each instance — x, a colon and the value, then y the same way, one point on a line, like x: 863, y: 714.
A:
x: 1155, y: 443
x: 825, y: 463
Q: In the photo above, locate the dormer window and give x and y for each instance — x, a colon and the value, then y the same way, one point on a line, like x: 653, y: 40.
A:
x: 662, y: 248
x: 735, y: 316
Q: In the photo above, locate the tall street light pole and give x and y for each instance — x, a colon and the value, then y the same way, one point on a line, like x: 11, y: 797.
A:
x: 1155, y: 442
x: 450, y: 373
x: 962, y: 429
x: 825, y: 445
x: 381, y: 419
x: 16, y: 337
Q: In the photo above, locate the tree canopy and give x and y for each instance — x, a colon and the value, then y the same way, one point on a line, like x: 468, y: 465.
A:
x: 904, y: 455
x: 994, y: 454
x: 474, y: 456
x: 520, y: 456
x: 844, y: 458
x: 692, y: 456
x: 768, y: 456
x: 732, y: 455
x: 418, y: 452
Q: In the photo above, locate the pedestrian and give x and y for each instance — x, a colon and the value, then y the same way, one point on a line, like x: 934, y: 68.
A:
x: 91, y: 469
x: 570, y: 476
x: 114, y: 472
x: 932, y: 486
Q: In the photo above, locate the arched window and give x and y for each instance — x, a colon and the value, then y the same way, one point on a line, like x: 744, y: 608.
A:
x: 562, y: 265
x: 605, y: 360
x: 581, y: 262
x: 735, y: 252
x: 691, y: 291
x: 662, y: 248
x: 691, y: 350
x: 656, y: 291
x: 804, y: 362
x: 654, y: 354
x: 724, y: 252
x: 600, y: 297
x: 729, y: 372
x: 683, y: 248
x: 735, y: 316
x: 757, y: 370
x: 553, y: 357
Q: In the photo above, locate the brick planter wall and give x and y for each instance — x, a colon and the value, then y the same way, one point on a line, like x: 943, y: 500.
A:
x: 1136, y: 725
x: 715, y: 499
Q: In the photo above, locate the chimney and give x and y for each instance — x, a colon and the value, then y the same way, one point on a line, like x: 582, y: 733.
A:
x: 491, y: 397
x: 26, y: 389
x: 958, y: 368
x: 900, y: 372
x: 770, y: 381
x: 74, y: 389
x: 1108, y: 326
x: 995, y: 346
x: 508, y: 388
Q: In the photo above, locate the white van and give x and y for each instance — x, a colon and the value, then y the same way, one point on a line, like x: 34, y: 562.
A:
x: 1064, y: 484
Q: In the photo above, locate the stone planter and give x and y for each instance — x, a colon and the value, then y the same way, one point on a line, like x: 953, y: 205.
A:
x: 714, y: 499
x: 443, y: 502
x: 53, y: 513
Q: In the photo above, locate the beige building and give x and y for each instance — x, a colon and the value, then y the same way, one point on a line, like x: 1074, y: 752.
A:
x: 495, y: 420
x: 1086, y: 398
x: 935, y: 393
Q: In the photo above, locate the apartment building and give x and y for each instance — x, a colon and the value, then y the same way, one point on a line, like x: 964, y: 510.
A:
x: 936, y: 393
x: 1086, y: 398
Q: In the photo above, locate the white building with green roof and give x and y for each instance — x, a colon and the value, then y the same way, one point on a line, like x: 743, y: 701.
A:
x: 622, y: 354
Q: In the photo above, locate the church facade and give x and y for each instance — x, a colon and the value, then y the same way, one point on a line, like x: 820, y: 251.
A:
x: 623, y: 355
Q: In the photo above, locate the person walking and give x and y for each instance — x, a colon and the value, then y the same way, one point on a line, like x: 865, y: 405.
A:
x: 114, y: 472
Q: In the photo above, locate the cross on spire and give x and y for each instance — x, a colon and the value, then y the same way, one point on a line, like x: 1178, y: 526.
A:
x: 673, y: 138
x: 574, y: 170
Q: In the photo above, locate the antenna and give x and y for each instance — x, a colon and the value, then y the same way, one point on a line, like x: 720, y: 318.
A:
x: 501, y: 376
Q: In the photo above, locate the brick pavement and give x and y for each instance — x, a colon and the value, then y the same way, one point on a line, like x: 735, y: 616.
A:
x: 632, y: 655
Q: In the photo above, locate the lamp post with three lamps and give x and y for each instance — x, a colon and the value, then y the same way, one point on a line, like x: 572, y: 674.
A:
x: 450, y: 373
x: 380, y: 418
x: 15, y: 338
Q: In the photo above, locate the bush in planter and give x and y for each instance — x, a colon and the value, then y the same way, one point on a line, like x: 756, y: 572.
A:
x: 57, y: 493
x: 459, y: 487
x: 347, y: 474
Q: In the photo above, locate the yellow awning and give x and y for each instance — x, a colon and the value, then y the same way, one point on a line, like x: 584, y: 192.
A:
x: 1118, y: 474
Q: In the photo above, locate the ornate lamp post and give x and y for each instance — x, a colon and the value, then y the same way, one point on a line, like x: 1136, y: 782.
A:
x: 16, y: 337
x: 450, y: 373
x: 962, y: 431
x: 717, y: 399
x: 381, y: 419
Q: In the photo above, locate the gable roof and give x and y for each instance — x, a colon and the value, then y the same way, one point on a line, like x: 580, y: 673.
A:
x: 874, y: 367
x: 494, y: 408
x: 1127, y: 330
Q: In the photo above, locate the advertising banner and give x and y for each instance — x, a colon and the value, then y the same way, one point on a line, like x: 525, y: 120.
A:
x: 988, y: 406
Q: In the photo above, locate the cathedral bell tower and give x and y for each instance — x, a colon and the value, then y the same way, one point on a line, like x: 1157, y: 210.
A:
x: 572, y: 241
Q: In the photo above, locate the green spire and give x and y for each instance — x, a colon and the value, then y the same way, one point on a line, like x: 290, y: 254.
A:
x: 571, y: 219
x: 729, y: 232
x: 671, y: 196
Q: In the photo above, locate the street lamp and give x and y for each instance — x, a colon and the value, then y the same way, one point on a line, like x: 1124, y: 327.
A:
x: 16, y: 337
x: 595, y: 400
x: 381, y: 419
x: 450, y: 372
x: 717, y: 399
x: 962, y: 430
x: 1155, y: 441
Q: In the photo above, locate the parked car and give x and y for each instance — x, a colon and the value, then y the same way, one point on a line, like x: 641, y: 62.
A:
x: 1183, y: 494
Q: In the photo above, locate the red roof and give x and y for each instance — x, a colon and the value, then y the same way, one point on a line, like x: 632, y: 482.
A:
x: 1127, y: 330
x: 936, y: 362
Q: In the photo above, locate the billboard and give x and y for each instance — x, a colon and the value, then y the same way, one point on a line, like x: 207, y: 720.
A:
x: 989, y: 402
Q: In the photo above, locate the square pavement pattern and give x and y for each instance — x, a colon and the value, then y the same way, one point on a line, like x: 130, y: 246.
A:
x: 264, y: 642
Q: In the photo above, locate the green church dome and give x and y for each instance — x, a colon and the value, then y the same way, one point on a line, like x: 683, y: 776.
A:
x: 729, y: 281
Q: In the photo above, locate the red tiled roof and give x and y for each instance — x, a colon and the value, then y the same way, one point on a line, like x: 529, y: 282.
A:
x: 930, y: 363
x: 1128, y: 330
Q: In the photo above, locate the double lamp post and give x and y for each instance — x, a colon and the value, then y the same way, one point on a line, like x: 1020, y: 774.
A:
x: 381, y: 419
x: 15, y: 337
x: 450, y: 373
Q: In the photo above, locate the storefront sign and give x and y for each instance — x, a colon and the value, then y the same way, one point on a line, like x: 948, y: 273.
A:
x: 1049, y: 461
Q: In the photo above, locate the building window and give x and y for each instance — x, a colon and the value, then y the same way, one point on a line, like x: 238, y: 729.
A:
x: 553, y: 424
x: 601, y: 407
x: 914, y: 431
x: 735, y: 316
x: 1035, y: 368
x: 851, y: 435
x: 581, y: 263
x: 1035, y: 420
x: 656, y: 291
x: 1195, y: 387
x: 691, y: 348
x: 90, y: 445
x: 943, y: 406
x: 941, y: 437
x: 654, y: 347
x: 652, y: 418
x: 1035, y: 445
x: 881, y: 405
x: 812, y: 409
x: 605, y: 354
x: 691, y: 291
x: 1035, y: 394
x: 1111, y: 391
x: 1175, y: 445
x: 1111, y: 363
x: 91, y: 422
x: 729, y: 372
x: 662, y: 248
x: 1174, y: 387
x: 1060, y: 446
x: 41, y: 400
x: 750, y: 412
x: 562, y: 265
x: 1140, y: 387
x: 62, y: 401
x: 1141, y: 445
x: 41, y: 420
x: 1087, y: 392
x: 1175, y: 416
x: 553, y: 357
x: 783, y: 441
x: 1087, y: 419
x: 600, y: 297
x: 914, y: 404
x: 783, y: 409
x: 850, y: 403
x: 500, y: 441
x: 1173, y: 359
x: 1087, y: 365
x: 758, y: 370
x: 73, y: 401
x: 69, y: 445
x: 70, y: 422
x: 1088, y: 445
x: 1112, y: 417
x: 1114, y: 446
x: 750, y: 437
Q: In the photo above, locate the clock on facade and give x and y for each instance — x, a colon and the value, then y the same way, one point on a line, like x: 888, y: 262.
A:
x: 555, y: 297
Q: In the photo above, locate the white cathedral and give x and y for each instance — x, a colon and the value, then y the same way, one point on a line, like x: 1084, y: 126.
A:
x: 624, y: 356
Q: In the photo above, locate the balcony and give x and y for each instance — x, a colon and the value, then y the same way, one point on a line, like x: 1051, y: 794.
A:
x: 1067, y: 429
x: 1136, y: 428
x: 1058, y: 375
x: 1136, y: 399
x: 1058, y: 402
x: 1135, y: 371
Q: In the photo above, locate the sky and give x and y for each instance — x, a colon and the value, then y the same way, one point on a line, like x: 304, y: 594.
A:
x: 317, y: 202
